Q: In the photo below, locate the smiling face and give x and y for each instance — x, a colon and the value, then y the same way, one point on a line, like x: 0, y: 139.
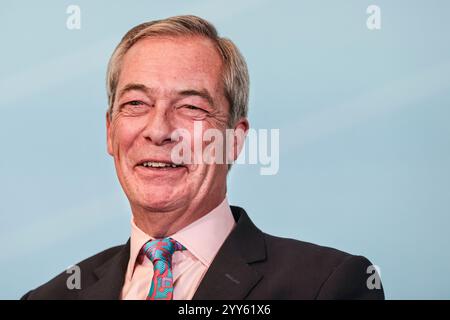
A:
x: 167, y: 84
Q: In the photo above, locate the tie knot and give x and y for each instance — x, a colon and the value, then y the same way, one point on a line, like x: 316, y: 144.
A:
x: 161, y: 249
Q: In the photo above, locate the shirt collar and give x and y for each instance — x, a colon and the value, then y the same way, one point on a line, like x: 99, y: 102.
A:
x: 202, y: 238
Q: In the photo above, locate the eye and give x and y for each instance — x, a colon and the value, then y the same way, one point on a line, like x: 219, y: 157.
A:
x: 135, y: 103
x: 191, y: 107
x: 134, y: 107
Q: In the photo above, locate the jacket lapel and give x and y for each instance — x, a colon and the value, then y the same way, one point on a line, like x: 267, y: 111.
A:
x: 230, y: 275
x: 111, y: 276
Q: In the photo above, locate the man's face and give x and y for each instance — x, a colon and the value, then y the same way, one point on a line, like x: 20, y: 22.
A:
x: 166, y: 84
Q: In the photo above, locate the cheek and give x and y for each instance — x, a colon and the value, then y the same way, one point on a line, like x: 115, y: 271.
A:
x: 124, y: 133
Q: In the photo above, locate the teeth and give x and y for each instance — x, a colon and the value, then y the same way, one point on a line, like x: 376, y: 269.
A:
x: 158, y: 164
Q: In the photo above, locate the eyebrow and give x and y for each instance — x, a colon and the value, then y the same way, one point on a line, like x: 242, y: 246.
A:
x: 134, y: 86
x: 202, y: 93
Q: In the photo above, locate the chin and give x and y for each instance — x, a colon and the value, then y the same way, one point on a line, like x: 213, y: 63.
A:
x: 161, y: 201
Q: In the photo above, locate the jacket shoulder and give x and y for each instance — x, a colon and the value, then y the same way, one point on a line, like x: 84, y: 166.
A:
x: 57, y: 288
x: 293, y: 249
x: 303, y: 270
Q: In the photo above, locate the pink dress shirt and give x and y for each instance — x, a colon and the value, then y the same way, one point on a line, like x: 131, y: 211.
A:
x: 202, y: 239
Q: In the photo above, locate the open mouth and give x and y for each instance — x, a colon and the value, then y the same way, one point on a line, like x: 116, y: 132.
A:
x: 159, y: 165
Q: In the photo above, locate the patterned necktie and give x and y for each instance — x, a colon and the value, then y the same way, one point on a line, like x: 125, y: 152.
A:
x: 160, y: 253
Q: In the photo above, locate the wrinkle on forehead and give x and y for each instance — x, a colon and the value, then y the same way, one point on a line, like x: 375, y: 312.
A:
x: 188, y: 58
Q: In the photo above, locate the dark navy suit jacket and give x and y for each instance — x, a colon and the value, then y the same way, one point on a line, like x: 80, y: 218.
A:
x: 250, y: 265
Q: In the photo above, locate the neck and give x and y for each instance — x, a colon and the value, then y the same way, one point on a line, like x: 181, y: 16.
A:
x: 160, y: 224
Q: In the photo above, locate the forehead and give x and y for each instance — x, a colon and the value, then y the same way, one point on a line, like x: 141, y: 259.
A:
x: 172, y: 63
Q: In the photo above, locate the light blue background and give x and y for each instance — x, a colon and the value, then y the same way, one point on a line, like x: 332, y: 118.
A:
x: 363, y: 118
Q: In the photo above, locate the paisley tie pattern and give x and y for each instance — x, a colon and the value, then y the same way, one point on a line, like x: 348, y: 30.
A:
x: 160, y: 253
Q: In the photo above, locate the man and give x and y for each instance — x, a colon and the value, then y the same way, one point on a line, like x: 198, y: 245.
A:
x: 186, y: 241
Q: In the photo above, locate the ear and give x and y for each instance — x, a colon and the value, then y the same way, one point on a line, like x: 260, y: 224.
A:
x: 240, y: 133
x: 109, y: 144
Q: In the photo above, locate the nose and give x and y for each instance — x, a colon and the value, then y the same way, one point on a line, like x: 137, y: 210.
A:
x: 158, y: 129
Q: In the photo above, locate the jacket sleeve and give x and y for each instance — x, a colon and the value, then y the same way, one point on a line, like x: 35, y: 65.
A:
x: 354, y: 278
